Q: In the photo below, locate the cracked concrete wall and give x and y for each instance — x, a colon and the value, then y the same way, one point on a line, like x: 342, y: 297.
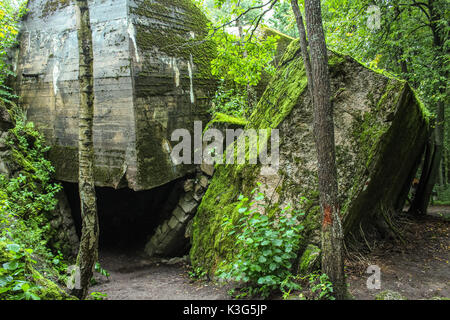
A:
x: 142, y: 91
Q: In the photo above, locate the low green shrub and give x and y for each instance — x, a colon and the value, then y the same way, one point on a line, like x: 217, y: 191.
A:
x: 267, y: 247
x: 320, y: 286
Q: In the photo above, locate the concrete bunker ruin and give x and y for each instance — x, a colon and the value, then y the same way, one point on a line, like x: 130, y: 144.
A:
x: 151, y: 70
x: 151, y: 76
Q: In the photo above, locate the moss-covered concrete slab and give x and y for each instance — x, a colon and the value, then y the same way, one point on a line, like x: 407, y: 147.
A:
x: 282, y: 43
x: 380, y: 129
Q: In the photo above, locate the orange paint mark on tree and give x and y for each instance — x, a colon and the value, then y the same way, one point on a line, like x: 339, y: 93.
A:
x: 327, y: 216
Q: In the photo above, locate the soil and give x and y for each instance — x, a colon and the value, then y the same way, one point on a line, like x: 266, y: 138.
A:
x: 132, y: 276
x: 417, y: 268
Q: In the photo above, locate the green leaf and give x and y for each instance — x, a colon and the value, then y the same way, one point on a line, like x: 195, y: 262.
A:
x: 5, y: 280
x: 277, y: 242
x: 25, y: 287
x: 12, y: 265
x: 256, y: 268
x: 259, y: 197
x: 31, y: 296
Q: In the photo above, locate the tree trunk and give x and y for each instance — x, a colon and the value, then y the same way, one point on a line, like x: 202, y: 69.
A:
x: 427, y: 178
x: 88, y: 252
x: 251, y: 91
x: 446, y: 167
x: 400, y: 51
x: 303, y: 44
x: 316, y: 65
x: 427, y: 182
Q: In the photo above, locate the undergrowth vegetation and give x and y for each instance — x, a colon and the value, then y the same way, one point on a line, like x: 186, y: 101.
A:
x: 15, y: 277
x: 269, y: 242
x: 27, y: 197
x: 268, y: 245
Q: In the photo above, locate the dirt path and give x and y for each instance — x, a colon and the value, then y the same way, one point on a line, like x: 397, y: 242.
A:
x: 138, y: 278
x: 440, y: 212
x: 417, y: 269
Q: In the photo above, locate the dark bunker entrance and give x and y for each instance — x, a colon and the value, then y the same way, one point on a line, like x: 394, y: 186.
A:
x: 127, y: 218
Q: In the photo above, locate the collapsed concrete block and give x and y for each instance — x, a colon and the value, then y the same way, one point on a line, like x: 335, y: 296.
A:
x: 380, y: 131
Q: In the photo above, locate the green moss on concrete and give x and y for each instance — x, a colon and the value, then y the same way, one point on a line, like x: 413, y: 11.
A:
x: 177, y: 42
x: 391, y: 138
x: 211, y: 245
x: 65, y: 161
x: 309, y: 261
x: 154, y: 164
x: 53, y: 5
x: 281, y: 95
x: 109, y: 176
x: 390, y: 129
x: 222, y: 119
x: 156, y: 7
x: 169, y: 32
x: 283, y: 41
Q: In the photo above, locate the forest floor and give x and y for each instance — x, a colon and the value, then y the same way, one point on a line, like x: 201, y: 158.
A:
x: 417, y: 268
x: 135, y: 277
